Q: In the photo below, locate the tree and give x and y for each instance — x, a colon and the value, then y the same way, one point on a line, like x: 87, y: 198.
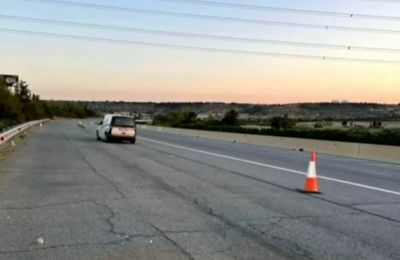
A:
x: 231, y: 118
x: 23, y: 92
x: 275, y: 123
x: 35, y: 97
x: 10, y: 108
x: 188, y: 117
x: 318, y: 125
x: 282, y: 122
x: 287, y: 122
x: 23, y: 105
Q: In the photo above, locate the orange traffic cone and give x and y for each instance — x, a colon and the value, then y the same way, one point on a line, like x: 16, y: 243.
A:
x: 311, y: 183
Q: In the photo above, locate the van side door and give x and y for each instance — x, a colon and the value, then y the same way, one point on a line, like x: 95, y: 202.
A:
x: 105, y: 126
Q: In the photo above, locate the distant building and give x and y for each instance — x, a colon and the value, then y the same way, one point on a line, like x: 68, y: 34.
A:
x: 339, y: 101
x: 376, y: 124
x: 145, y: 116
x: 203, y: 116
x: 244, y: 116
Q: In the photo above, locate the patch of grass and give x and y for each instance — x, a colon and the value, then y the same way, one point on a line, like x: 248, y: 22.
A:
x: 19, y: 140
x: 4, y: 150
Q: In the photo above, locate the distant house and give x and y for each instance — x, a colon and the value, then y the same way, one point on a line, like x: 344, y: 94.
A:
x: 244, y: 116
x: 376, y: 124
x: 145, y: 116
x: 347, y: 123
x: 203, y: 116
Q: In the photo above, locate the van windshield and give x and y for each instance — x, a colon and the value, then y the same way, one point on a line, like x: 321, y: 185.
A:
x: 123, y: 121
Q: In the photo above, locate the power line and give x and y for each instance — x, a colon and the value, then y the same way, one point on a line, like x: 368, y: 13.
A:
x: 382, y: 1
x: 288, y: 10
x: 192, y: 35
x: 206, y: 49
x: 220, y: 18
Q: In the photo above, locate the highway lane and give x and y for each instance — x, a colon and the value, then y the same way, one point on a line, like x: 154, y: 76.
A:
x: 92, y: 200
x: 379, y: 175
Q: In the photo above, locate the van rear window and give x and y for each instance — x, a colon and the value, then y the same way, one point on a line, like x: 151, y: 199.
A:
x: 122, y: 121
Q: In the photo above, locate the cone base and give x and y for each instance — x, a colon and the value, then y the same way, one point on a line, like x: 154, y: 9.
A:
x: 308, y: 192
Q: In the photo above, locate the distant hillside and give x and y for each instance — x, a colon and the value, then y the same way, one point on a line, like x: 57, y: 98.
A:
x: 302, y: 111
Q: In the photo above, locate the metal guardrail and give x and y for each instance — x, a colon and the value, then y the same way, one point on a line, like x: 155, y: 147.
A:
x: 4, y: 129
x: 8, y: 134
x: 144, y: 121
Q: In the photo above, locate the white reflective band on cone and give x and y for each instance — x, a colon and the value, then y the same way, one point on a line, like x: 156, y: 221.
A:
x: 312, y: 171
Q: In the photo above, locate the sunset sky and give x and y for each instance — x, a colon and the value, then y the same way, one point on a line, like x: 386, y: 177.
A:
x: 62, y: 68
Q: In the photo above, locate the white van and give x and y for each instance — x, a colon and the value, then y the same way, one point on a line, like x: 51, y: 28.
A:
x: 115, y: 127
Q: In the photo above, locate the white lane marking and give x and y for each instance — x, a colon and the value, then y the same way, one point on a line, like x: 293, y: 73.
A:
x: 270, y: 166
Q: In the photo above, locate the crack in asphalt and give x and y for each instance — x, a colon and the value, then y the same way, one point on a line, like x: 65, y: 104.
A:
x: 288, y: 244
x: 121, y: 237
x: 94, y: 169
x: 374, y: 204
x: 279, y: 222
x: 52, y: 247
x: 194, y: 231
x: 111, y: 243
x: 358, y: 209
x: 226, y: 250
x: 173, y: 242
x: 48, y: 205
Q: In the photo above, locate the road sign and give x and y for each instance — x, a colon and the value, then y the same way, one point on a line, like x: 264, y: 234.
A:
x: 10, y: 80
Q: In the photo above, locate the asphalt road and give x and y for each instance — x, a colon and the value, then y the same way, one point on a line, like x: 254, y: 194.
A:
x: 177, y: 197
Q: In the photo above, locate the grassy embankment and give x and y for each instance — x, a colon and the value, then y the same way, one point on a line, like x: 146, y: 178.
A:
x: 360, y: 132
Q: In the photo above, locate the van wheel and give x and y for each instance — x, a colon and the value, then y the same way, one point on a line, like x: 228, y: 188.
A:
x: 108, y: 139
x: 132, y: 141
x: 97, y: 136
